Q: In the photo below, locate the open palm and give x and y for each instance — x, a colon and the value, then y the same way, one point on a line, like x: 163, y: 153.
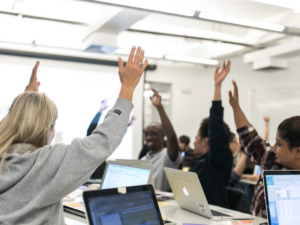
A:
x: 220, y: 75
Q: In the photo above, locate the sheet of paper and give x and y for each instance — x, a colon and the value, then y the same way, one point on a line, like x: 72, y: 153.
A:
x: 163, y: 204
x: 73, y: 204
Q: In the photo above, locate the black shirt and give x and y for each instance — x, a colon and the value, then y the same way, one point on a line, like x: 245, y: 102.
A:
x: 214, y: 168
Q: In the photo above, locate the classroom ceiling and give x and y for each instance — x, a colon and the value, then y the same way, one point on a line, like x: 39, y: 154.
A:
x: 162, y: 30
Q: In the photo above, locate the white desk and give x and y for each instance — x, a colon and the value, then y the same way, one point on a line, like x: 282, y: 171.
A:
x: 170, y: 211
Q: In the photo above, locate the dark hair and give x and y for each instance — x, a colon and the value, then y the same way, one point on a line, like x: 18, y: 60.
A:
x: 289, y: 130
x: 184, y: 139
x: 204, y: 127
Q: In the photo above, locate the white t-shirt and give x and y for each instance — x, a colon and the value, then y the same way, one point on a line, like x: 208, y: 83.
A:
x: 160, y: 160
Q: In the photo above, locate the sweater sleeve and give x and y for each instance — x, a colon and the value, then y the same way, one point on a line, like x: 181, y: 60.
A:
x: 218, y: 136
x: 254, y: 146
x: 63, y: 168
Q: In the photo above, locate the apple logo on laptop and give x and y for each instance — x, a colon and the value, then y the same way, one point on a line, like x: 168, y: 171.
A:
x: 185, y: 191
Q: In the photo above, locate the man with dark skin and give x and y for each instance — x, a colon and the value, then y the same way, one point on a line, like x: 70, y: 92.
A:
x: 159, y: 156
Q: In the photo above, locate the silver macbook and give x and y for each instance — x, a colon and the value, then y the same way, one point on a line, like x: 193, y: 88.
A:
x: 189, y: 195
x: 120, y: 174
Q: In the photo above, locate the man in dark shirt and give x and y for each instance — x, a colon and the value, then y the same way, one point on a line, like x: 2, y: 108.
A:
x: 189, y: 158
x: 212, y: 141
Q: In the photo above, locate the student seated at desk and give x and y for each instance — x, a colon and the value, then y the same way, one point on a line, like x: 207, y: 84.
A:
x: 34, y: 175
x: 160, y: 156
x: 284, y: 155
x: 212, y: 141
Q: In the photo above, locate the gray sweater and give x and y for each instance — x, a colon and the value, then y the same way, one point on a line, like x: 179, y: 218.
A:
x: 33, y: 184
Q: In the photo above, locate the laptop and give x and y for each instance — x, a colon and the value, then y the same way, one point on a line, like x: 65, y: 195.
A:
x: 189, y: 195
x: 135, y: 162
x: 257, y: 170
x: 282, y: 196
x: 122, y: 206
x: 121, y: 174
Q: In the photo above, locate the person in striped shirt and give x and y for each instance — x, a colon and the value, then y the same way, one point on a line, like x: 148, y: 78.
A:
x: 284, y: 155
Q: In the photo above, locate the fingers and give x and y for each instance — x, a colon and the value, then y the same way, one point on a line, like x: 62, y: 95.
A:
x: 145, y: 65
x: 228, y: 65
x: 235, y: 88
x: 217, y: 70
x: 230, y: 94
x: 130, y: 59
x: 137, y: 55
x: 155, y: 92
x: 141, y: 59
x: 38, y: 83
x: 34, y: 70
x: 121, y: 65
x: 224, y: 65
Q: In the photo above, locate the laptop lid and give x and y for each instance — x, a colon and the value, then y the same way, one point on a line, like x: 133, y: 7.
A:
x: 121, y: 174
x: 188, y: 191
x: 122, y: 206
x: 282, y: 195
x: 135, y: 162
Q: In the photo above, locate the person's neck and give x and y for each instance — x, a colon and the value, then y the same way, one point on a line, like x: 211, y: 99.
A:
x: 154, y: 151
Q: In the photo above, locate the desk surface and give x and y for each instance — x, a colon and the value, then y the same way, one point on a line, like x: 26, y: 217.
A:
x: 171, y: 211
x: 247, y: 181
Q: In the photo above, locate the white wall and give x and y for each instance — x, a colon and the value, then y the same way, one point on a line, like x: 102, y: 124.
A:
x: 189, y: 109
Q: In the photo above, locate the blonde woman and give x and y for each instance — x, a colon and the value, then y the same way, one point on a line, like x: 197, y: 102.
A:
x: 34, y: 175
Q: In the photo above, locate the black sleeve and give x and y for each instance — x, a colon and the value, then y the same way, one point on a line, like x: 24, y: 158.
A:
x: 218, y: 136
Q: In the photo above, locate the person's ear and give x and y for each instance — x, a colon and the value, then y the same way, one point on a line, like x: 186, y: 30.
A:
x: 205, y: 141
x: 298, y: 153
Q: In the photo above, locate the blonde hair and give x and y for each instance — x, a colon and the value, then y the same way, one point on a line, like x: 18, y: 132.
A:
x: 30, y: 119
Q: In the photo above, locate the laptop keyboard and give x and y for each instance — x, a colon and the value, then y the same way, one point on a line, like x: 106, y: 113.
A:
x: 218, y: 214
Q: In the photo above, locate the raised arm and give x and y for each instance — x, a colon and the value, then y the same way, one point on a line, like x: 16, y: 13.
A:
x: 172, y: 142
x: 33, y: 83
x: 240, y: 166
x: 71, y: 165
x: 239, y: 117
x: 251, y: 143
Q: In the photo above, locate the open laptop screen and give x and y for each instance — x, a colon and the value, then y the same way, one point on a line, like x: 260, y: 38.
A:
x: 136, y: 207
x: 283, y: 198
x: 124, y: 176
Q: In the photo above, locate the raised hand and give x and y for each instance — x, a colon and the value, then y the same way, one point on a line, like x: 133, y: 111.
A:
x: 234, y: 98
x: 156, y: 98
x: 266, y: 119
x: 132, y: 72
x: 220, y: 76
x: 33, y: 83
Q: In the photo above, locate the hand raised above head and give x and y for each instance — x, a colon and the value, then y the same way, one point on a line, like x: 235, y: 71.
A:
x: 155, y: 98
x: 220, y: 76
x: 266, y: 119
x: 33, y: 83
x: 234, y: 98
x: 130, y: 74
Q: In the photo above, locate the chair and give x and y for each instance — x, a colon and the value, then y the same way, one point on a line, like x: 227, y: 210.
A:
x: 238, y: 200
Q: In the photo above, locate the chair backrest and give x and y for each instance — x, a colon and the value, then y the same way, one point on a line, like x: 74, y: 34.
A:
x: 238, y: 200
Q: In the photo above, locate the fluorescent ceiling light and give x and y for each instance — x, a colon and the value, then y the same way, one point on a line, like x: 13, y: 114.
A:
x: 147, y: 54
x: 291, y: 4
x: 182, y: 58
x: 166, y: 6
x: 241, y: 21
x: 190, y: 32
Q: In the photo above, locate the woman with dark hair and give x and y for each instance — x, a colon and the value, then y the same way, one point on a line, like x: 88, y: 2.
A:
x: 284, y: 155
